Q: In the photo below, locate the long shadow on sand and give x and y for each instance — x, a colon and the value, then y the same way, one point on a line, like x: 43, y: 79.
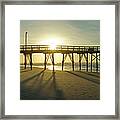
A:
x: 85, y: 77
x: 89, y: 73
x: 39, y: 88
x: 24, y: 71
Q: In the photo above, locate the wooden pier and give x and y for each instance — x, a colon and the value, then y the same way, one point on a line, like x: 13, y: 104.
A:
x: 70, y: 51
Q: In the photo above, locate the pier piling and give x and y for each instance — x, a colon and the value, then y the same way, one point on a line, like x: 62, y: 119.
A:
x: 53, y: 60
x: 45, y: 62
x: 96, y: 63
x: 25, y: 60
x: 73, y: 61
x: 87, y: 62
x: 91, y: 62
x: 31, y: 60
x: 63, y: 62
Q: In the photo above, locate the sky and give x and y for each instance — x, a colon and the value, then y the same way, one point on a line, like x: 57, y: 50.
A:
x: 61, y: 32
x: 65, y: 32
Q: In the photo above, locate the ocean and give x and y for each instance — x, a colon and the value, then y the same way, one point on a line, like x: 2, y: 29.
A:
x: 67, y: 66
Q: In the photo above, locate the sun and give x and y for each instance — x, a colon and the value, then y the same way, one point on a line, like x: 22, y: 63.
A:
x: 52, y: 44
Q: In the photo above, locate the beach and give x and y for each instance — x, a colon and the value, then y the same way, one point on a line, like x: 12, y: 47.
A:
x: 40, y: 84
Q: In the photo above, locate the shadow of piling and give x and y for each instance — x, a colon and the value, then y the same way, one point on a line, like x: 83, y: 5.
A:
x: 41, y: 89
x: 86, y: 78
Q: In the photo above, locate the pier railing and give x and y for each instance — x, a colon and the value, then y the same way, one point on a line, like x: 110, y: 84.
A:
x: 59, y: 48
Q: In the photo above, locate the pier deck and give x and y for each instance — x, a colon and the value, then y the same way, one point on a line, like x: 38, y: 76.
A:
x: 59, y: 49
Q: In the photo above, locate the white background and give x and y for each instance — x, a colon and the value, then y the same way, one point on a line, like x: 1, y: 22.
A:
x: 106, y: 15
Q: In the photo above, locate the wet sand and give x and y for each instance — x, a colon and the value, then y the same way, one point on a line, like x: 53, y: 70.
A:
x: 39, y: 84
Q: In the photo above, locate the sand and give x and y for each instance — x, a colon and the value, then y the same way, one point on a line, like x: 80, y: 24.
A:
x: 39, y: 84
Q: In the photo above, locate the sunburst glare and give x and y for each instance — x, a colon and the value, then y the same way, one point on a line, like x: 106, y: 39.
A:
x: 52, y: 44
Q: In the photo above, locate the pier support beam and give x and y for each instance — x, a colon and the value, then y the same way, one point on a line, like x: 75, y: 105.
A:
x: 45, y: 62
x: 73, y: 61
x: 31, y: 60
x: 47, y: 56
x: 87, y: 62
x: 80, y: 61
x: 96, y: 63
x: 53, y: 60
x: 25, y: 59
x: 91, y: 62
x: 63, y: 62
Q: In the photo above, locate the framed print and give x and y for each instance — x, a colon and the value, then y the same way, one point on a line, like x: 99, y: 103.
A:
x: 60, y: 59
